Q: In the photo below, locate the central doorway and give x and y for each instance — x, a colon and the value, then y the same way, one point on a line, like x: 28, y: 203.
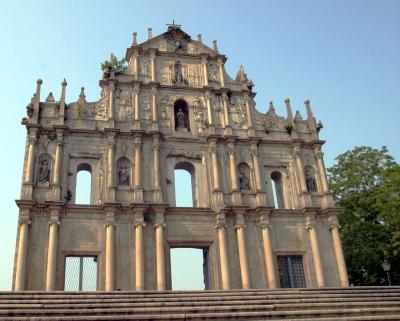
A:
x: 190, y: 268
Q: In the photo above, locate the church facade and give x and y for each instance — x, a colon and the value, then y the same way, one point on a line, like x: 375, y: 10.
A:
x: 262, y: 211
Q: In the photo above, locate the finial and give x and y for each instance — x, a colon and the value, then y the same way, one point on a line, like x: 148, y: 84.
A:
x: 307, y: 101
x: 199, y: 38
x: 50, y: 98
x: 287, y: 100
x: 271, y: 105
x: 82, y: 94
x: 39, y: 81
x: 64, y: 82
x: 149, y: 33
x: 215, y: 45
x: 134, y: 38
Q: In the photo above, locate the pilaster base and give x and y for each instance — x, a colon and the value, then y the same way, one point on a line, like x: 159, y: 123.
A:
x: 228, y: 131
x: 27, y: 191
x: 138, y: 195
x: 305, y: 199
x: 261, y: 199
x: 136, y: 124
x: 111, y: 194
x: 237, y: 198
x: 211, y: 130
x: 56, y: 193
x: 251, y: 132
x: 111, y: 123
x: 155, y: 127
x: 218, y: 198
x: 157, y: 196
x: 327, y: 200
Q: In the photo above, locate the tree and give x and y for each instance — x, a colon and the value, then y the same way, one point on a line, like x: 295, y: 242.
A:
x: 366, y: 185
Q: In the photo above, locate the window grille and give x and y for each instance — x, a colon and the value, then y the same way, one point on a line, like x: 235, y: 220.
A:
x: 291, y: 271
x: 80, y: 273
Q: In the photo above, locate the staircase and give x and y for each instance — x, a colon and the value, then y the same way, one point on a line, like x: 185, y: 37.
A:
x: 354, y: 303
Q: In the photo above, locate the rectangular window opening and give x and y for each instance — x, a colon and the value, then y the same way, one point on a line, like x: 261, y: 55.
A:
x: 291, y: 271
x: 190, y: 268
x: 80, y: 273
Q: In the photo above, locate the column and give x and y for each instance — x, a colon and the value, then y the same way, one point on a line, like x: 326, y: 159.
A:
x: 321, y: 168
x: 209, y: 109
x: 31, y: 158
x: 312, y: 231
x: 156, y: 169
x: 215, y: 167
x: 152, y: 66
x: 154, y: 104
x: 160, y: 252
x: 205, y: 73
x: 268, y: 253
x: 244, y: 263
x: 254, y: 153
x: 223, y: 251
x: 52, y: 252
x: 221, y: 73
x: 136, y: 112
x: 139, y: 262
x: 136, y: 65
x: 22, y: 253
x: 138, y: 189
x: 226, y: 110
x: 57, y: 161
x: 248, y: 111
x: 110, y: 163
x: 111, y: 102
x: 109, y: 257
x: 305, y: 197
x: 341, y: 264
x: 232, y: 164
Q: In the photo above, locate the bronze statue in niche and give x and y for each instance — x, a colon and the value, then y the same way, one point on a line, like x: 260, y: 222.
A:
x: 44, y: 172
x: 310, y: 181
x: 244, y: 183
x: 181, y: 112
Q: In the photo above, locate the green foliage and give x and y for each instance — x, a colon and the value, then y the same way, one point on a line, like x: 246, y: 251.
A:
x: 366, y: 184
x: 114, y: 63
x: 52, y: 135
x: 289, y: 128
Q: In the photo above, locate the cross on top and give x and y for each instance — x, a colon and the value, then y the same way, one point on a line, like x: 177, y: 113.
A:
x: 173, y: 25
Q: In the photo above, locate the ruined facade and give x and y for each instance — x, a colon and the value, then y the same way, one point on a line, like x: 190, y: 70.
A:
x: 262, y: 211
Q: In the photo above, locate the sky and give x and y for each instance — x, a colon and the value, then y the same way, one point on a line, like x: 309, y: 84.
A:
x: 342, y: 55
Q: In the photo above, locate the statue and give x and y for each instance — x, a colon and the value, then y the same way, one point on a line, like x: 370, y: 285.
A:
x: 44, y: 172
x: 310, y: 181
x: 123, y: 175
x: 180, y: 119
x: 244, y: 183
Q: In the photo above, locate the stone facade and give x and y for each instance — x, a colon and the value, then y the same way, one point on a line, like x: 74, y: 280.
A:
x: 174, y: 107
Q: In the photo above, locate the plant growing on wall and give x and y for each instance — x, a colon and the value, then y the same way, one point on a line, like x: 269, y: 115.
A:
x: 114, y: 63
x: 289, y: 128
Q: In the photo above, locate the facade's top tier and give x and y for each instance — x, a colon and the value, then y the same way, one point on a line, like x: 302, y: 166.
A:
x: 176, y: 86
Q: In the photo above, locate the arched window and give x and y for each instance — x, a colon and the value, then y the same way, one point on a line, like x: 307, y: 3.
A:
x: 309, y: 174
x: 244, y: 177
x: 181, y: 112
x: 184, y: 185
x: 277, y: 189
x: 124, y: 172
x: 83, y: 189
x: 44, y: 169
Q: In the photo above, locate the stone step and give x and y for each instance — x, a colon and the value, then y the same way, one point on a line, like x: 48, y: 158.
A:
x: 333, y: 314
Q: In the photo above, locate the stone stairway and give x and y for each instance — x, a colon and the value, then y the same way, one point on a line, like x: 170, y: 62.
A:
x: 354, y: 303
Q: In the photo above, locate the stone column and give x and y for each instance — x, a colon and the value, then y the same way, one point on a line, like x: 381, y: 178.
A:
x: 341, y: 264
x: 261, y: 197
x: 226, y: 113
x: 110, y: 256
x: 223, y: 251
x: 156, y: 169
x: 244, y: 263
x: 312, y: 231
x: 236, y: 194
x: 139, y: 260
x: 268, y: 252
x: 306, y: 199
x: 205, y: 73
x: 57, y: 169
x: 209, y: 110
x: 136, y: 65
x: 321, y: 168
x: 221, y: 73
x: 154, y: 105
x: 250, y: 129
x: 160, y: 252
x: 136, y: 112
x: 30, y: 164
x: 52, y: 252
x: 138, y: 189
x: 215, y: 167
x: 110, y: 163
x: 111, y: 102
x: 152, y: 66
x: 22, y: 250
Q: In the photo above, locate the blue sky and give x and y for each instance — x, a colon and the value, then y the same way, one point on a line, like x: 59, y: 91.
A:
x: 342, y: 55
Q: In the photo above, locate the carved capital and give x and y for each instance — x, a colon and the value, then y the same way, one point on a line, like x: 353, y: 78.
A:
x: 24, y: 220
x: 220, y: 220
x: 265, y: 221
x: 204, y: 60
x: 154, y: 90
x: 32, y: 139
x: 333, y: 223
x: 136, y: 54
x: 220, y: 62
x: 240, y: 220
x: 136, y: 89
x: 310, y: 222
x: 319, y: 154
x: 225, y: 96
x: 254, y: 150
